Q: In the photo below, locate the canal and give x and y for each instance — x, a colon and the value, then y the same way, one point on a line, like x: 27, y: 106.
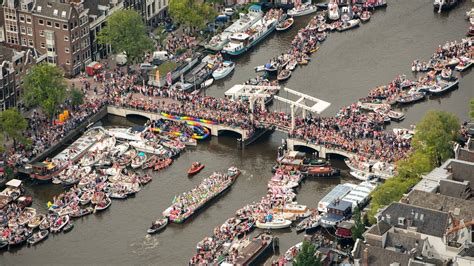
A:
x: 343, y: 70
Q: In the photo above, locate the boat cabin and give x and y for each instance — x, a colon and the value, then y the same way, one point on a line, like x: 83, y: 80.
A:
x: 344, y: 229
x: 338, y: 211
x: 14, y: 189
x: 292, y: 158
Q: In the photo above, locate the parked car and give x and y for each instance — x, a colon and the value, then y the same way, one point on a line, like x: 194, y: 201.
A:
x: 147, y: 66
x: 229, y: 12
x: 121, y: 59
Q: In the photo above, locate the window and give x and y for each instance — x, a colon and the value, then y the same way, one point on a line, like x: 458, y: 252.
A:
x: 42, y: 33
x: 28, y: 19
x: 66, y: 50
x: 38, y: 8
x: 22, y: 29
x: 55, y: 12
x: 63, y: 14
x: 64, y: 26
x: 30, y: 42
x: 401, y: 220
x: 56, y: 25
x: 41, y: 22
x: 51, y: 49
x: 29, y: 31
x: 22, y: 18
x: 68, y: 62
x: 66, y: 38
x: 23, y: 41
x: 48, y: 23
x: 42, y: 45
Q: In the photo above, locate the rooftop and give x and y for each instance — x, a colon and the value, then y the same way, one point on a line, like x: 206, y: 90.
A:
x: 378, y: 255
x: 379, y: 228
x: 423, y: 220
x: 53, y: 9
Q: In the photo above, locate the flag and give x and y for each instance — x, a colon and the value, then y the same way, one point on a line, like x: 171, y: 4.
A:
x: 168, y: 78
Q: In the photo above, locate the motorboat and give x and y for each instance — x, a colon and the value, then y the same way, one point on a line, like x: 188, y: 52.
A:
x: 207, y: 83
x: 285, y: 25
x: 464, y: 64
x: 291, y: 65
x: 59, y: 223
x: 273, y: 223
x: 321, y: 36
x: 333, y: 11
x: 444, y: 5
x: 195, y: 168
x: 81, y: 212
x: 393, y: 115
x: 149, y: 147
x: 124, y: 134
x: 365, y: 16
x: 103, y: 204
x: 157, y: 226
x: 36, y: 221
x: 348, y: 25
x: 68, y: 227
x: 309, y: 223
x: 27, y: 215
x: 292, y: 252
x: 302, y: 10
x: 444, y: 86
x: 182, y: 86
x: 223, y: 70
x: 138, y: 161
x: 321, y: 171
x: 38, y: 237
x: 364, y: 176
x: 293, y: 209
x: 411, y: 98
x: 283, y: 75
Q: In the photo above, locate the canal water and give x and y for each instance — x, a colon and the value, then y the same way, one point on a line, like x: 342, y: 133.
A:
x: 343, y: 70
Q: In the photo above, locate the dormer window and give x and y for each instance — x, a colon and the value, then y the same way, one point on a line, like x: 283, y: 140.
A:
x: 38, y: 8
x: 401, y: 220
x: 63, y: 14
x: 55, y: 12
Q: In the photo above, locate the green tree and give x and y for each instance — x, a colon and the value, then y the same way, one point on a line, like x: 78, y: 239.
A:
x: 359, y: 226
x: 77, y: 97
x: 126, y: 32
x: 13, y: 124
x: 471, y: 109
x: 307, y: 257
x: 434, y: 135
x: 45, y: 87
x: 191, y: 13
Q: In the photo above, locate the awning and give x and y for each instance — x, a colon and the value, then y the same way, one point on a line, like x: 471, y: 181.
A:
x: 14, y: 183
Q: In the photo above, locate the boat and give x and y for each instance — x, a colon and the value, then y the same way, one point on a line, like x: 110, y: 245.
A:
x: 344, y: 230
x: 68, y: 227
x: 337, y: 211
x: 120, y: 149
x: 243, y: 41
x: 444, y: 5
x: 444, y: 86
x: 309, y: 223
x: 337, y: 192
x: 321, y: 36
x: 364, y: 176
x: 3, y: 243
x: 45, y: 171
x: 103, y: 204
x: 291, y: 65
x: 243, y: 23
x: 372, y: 106
x: 321, y: 171
x: 81, y: 212
x: 464, y: 64
x: 149, y: 147
x: 223, y: 70
x: 162, y: 164
x: 138, y: 161
x: 302, y: 10
x: 20, y: 237
x: 38, y: 237
x: 283, y: 75
x: 27, y: 215
x: 86, y: 197
x: 365, y: 16
x: 293, y: 209
x: 157, y: 226
x: 36, y: 221
x: 271, y: 222
x: 292, y: 252
x: 183, y: 67
x: 411, y: 98
x: 195, y: 168
x: 145, y: 179
x: 286, y: 24
x: 382, y: 169
x: 59, y: 223
x: 250, y: 251
x: 207, y: 83
x: 333, y: 11
x: 393, y: 115
x: 124, y: 134
x: 179, y: 213
x: 447, y: 74
x: 348, y: 25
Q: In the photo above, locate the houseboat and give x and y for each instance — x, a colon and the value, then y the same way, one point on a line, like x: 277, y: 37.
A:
x: 337, y: 211
x: 360, y: 195
x: 338, y: 192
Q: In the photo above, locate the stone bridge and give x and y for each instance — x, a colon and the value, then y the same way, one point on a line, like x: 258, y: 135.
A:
x: 323, y: 151
x: 215, y: 129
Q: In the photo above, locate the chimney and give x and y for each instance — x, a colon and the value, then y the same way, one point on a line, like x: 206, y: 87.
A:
x: 366, y: 257
x: 388, y: 218
x: 409, y: 222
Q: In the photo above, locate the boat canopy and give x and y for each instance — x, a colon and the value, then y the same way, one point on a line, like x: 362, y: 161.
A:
x: 14, y: 183
x: 255, y: 8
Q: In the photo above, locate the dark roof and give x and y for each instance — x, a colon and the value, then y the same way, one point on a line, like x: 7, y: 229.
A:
x: 93, y: 6
x: 340, y: 205
x: 467, y: 252
x: 461, y: 209
x: 47, y: 8
x: 379, y: 228
x: 380, y: 256
x: 407, y: 242
x: 453, y: 188
x: 426, y: 221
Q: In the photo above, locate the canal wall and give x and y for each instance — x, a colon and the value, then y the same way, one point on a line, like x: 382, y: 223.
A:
x: 71, y: 135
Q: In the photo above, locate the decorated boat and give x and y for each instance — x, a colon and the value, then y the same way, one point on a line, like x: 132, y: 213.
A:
x: 302, y: 10
x: 285, y: 25
x: 59, y: 223
x: 223, y: 70
x: 38, y: 237
x: 195, y: 168
x: 271, y: 222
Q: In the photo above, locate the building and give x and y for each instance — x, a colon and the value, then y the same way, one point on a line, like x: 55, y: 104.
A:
x: 13, y: 66
x: 155, y: 11
x: 137, y: 5
x: 58, y: 29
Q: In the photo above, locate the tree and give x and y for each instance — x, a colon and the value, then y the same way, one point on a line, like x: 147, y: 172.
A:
x: 359, y: 226
x: 191, y: 13
x: 45, y: 87
x: 77, y: 97
x: 471, y: 109
x: 434, y: 135
x: 126, y: 32
x: 307, y: 257
x: 13, y: 124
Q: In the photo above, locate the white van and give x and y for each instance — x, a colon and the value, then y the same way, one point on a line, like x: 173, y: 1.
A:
x: 229, y: 12
x: 162, y: 55
x: 121, y: 59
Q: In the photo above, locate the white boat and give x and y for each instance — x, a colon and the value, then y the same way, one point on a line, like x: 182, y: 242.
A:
x: 303, y: 9
x: 336, y: 193
x: 124, y: 134
x: 138, y: 161
x: 349, y: 25
x: 286, y: 24
x: 244, y: 22
x: 464, y: 64
x: 207, y: 83
x: 372, y: 106
x: 181, y: 86
x: 382, y: 169
x: 120, y: 149
x: 149, y: 147
x: 224, y: 70
x: 333, y: 11
x: 291, y: 65
x: 260, y: 68
x: 275, y: 223
x: 363, y: 176
x: 295, y: 209
x: 291, y: 253
x: 444, y: 86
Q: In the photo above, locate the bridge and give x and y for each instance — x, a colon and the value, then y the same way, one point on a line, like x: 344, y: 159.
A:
x: 215, y: 129
x: 322, y: 150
